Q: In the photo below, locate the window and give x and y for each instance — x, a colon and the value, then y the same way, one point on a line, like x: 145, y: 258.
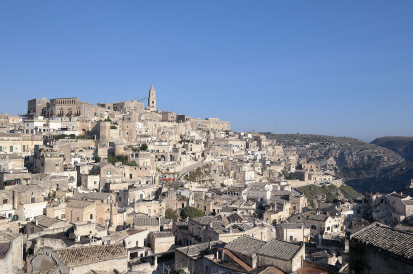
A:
x: 63, y: 216
x: 109, y: 173
x: 313, y: 227
x: 57, y: 164
x: 1, y: 148
x: 120, y: 199
x: 91, y: 217
x: 11, y: 148
x: 77, y: 219
x: 101, y: 201
x: 5, y: 201
x: 95, y: 182
x: 328, y: 228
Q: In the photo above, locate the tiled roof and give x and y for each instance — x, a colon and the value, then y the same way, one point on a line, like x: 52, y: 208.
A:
x: 317, y: 217
x: 163, y: 234
x: 165, y: 221
x: 146, y: 221
x: 294, y: 226
x: 46, y: 221
x: 408, y: 202
x: 90, y: 254
x: 235, y: 218
x: 195, y: 250
x: 270, y: 270
x: 182, y: 224
x: 279, y: 249
x: 321, y: 254
x: 91, y: 196
x: 217, y: 225
x: 222, y: 218
x: 78, y: 204
x: 383, y: 237
x: 119, y: 235
x: 245, y: 245
x: 203, y: 220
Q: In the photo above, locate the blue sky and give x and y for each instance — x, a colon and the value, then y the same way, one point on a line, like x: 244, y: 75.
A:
x: 343, y: 68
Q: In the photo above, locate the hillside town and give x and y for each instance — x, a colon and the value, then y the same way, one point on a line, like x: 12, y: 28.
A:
x: 123, y: 187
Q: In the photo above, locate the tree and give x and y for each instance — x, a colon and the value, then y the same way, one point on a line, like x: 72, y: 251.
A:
x: 144, y: 147
x: 191, y: 212
x: 274, y: 222
x: 171, y: 214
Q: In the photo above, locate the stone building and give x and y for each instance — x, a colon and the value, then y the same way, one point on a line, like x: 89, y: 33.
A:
x: 11, y: 252
x: 37, y: 107
x: 162, y: 241
x: 380, y: 249
x: 28, y: 201
x: 80, y: 211
x: 293, y: 232
x: 74, y: 260
x: 152, y: 99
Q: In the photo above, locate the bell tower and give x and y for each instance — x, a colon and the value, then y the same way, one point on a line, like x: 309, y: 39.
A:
x: 152, y: 99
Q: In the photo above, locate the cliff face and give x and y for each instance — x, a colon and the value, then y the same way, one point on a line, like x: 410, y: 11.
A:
x: 354, y: 160
x: 391, y: 178
x: 401, y: 145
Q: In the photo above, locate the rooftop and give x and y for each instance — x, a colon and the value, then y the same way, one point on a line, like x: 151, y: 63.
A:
x: 394, y: 241
x: 245, y: 245
x: 280, y: 249
x: 90, y: 254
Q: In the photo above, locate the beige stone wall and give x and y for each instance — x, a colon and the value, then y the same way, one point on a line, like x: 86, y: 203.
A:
x: 74, y: 214
x: 56, y: 211
x: 162, y: 244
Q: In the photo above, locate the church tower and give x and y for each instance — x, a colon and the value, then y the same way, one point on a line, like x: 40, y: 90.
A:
x: 152, y: 99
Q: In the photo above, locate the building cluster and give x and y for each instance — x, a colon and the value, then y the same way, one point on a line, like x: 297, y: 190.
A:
x: 124, y: 188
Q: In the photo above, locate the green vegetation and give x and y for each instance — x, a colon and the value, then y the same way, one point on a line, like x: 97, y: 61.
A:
x: 144, y: 147
x: 171, y: 214
x: 191, y: 212
x: 121, y: 158
x: 200, y: 174
x: 134, y: 149
x: 84, y: 137
x: 331, y: 192
x: 108, y: 120
x: 401, y: 145
x: 97, y: 159
x: 284, y: 174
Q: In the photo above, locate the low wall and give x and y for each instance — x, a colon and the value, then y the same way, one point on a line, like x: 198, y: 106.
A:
x: 48, y: 231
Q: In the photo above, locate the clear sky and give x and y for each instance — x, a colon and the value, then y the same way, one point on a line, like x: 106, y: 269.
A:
x: 342, y: 68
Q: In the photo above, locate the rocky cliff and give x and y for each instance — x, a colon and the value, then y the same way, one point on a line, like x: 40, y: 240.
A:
x: 401, y: 145
x: 350, y: 158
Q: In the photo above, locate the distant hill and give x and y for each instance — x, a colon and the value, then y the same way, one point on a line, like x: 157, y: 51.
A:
x: 391, y: 178
x: 401, y: 145
x: 357, y: 162
x: 330, y: 192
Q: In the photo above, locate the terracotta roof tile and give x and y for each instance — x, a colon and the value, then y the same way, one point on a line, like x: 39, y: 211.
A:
x: 90, y: 254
